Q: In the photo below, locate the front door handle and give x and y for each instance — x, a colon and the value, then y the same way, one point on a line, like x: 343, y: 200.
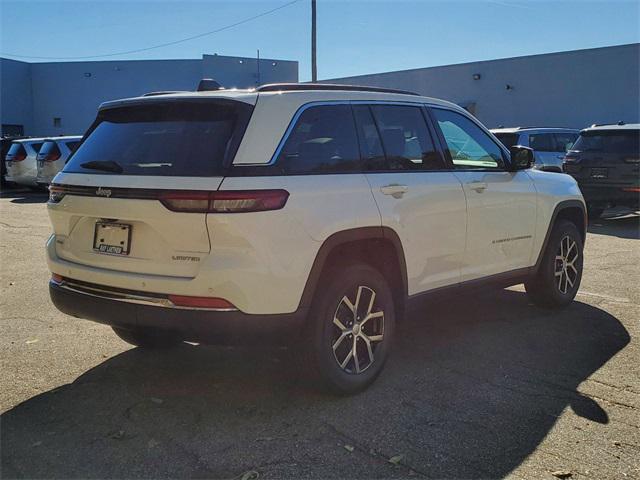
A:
x: 395, y: 190
x: 477, y: 186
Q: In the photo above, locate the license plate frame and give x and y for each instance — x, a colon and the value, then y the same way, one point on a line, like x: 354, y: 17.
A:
x: 111, y: 238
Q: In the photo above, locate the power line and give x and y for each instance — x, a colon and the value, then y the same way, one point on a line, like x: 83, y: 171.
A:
x: 200, y: 35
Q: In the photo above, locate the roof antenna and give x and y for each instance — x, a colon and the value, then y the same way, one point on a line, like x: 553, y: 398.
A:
x: 208, y: 85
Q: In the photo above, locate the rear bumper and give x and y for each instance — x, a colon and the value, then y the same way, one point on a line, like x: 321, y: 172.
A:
x: 205, y: 326
x: 610, y: 195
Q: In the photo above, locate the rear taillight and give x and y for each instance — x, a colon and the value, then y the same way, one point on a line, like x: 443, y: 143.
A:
x: 229, y: 201
x: 201, y: 302
x: 18, y: 157
x: 51, y: 157
x: 631, y: 189
x: 57, y: 278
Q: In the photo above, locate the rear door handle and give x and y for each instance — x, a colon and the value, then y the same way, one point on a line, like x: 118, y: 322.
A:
x: 395, y: 190
x: 477, y: 186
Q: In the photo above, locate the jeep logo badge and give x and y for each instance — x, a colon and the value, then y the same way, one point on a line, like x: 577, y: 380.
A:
x: 103, y: 192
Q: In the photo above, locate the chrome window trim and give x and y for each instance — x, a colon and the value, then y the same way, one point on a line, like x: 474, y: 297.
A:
x: 304, y: 107
x: 106, y: 293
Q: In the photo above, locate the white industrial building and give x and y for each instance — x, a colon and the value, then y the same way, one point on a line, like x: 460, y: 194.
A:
x: 566, y: 89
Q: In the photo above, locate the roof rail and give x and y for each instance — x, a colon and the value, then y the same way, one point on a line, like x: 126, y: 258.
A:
x: 168, y: 92
x: 619, y: 123
x: 287, y: 87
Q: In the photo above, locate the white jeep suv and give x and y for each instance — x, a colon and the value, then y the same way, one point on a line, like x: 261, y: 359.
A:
x: 225, y: 216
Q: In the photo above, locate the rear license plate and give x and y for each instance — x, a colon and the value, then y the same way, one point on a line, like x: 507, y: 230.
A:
x: 112, y: 238
x: 599, y: 173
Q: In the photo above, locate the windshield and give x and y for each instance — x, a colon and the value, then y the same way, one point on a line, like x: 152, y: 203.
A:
x: 626, y: 142
x: 166, y: 139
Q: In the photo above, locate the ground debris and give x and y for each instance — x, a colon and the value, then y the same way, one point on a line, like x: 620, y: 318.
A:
x: 250, y: 475
x: 562, y: 474
x: 349, y: 448
x: 396, y: 459
x: 118, y: 435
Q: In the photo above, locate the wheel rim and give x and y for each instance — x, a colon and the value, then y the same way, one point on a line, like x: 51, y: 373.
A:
x: 358, y: 330
x: 566, y: 271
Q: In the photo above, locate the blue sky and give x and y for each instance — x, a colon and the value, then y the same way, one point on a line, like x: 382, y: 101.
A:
x: 354, y: 37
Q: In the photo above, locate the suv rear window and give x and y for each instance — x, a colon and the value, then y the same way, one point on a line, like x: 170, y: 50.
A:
x: 48, y: 148
x: 626, y: 142
x: 16, y: 149
x: 196, y: 138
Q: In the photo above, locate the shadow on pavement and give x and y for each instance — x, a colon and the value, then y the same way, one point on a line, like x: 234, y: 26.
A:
x: 472, y: 388
x: 25, y: 195
x: 626, y: 226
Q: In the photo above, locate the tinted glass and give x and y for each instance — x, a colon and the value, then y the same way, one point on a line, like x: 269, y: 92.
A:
x: 542, y: 142
x: 323, y: 140
x: 469, y: 146
x: 508, y: 139
x: 73, y: 145
x: 36, y: 146
x: 620, y: 142
x: 370, y: 143
x: 166, y: 139
x: 405, y: 138
x: 564, y: 141
x: 48, y: 148
x: 15, y: 149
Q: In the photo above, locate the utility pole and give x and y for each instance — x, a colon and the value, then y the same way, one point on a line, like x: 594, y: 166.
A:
x: 314, y: 66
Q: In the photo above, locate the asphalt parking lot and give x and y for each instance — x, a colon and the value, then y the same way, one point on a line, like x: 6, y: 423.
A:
x: 486, y: 386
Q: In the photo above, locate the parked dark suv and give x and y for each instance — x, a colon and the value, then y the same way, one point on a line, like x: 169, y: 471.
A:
x: 605, y: 160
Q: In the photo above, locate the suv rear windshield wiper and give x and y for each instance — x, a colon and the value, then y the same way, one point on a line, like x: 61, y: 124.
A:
x: 106, y: 165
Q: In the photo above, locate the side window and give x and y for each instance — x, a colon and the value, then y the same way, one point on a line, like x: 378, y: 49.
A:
x: 564, y: 141
x: 406, y: 140
x: 370, y: 144
x: 542, y: 142
x: 469, y: 146
x: 323, y: 140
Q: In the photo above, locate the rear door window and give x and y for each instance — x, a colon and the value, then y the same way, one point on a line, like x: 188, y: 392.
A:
x: 405, y: 137
x: 163, y: 139
x: 323, y: 140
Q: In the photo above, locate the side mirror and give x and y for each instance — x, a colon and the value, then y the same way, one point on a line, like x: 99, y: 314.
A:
x: 521, y: 157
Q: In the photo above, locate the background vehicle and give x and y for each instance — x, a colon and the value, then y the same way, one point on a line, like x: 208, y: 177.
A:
x: 21, y: 161
x: 316, y: 214
x: 549, y: 144
x: 605, y: 161
x: 5, y: 143
x: 53, y: 155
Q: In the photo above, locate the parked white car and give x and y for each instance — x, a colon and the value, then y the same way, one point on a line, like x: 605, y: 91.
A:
x: 549, y: 145
x: 313, y: 213
x: 53, y: 155
x: 21, y: 161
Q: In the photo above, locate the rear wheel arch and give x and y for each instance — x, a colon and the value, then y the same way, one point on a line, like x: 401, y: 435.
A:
x: 379, y: 247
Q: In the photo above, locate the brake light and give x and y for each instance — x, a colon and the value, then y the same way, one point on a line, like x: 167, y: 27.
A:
x: 57, y: 278
x: 201, y: 302
x: 228, y: 201
x: 18, y: 157
x: 51, y: 157
x: 631, y: 189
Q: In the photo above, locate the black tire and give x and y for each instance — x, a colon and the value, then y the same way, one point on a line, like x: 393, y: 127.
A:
x: 148, y: 337
x: 595, y: 212
x: 324, y: 333
x: 557, y: 281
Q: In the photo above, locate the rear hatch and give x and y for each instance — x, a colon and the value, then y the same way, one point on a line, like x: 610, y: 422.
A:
x: 124, y: 200
x: 605, y: 158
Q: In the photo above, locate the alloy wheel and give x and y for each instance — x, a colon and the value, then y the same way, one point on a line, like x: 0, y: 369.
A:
x: 566, y: 272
